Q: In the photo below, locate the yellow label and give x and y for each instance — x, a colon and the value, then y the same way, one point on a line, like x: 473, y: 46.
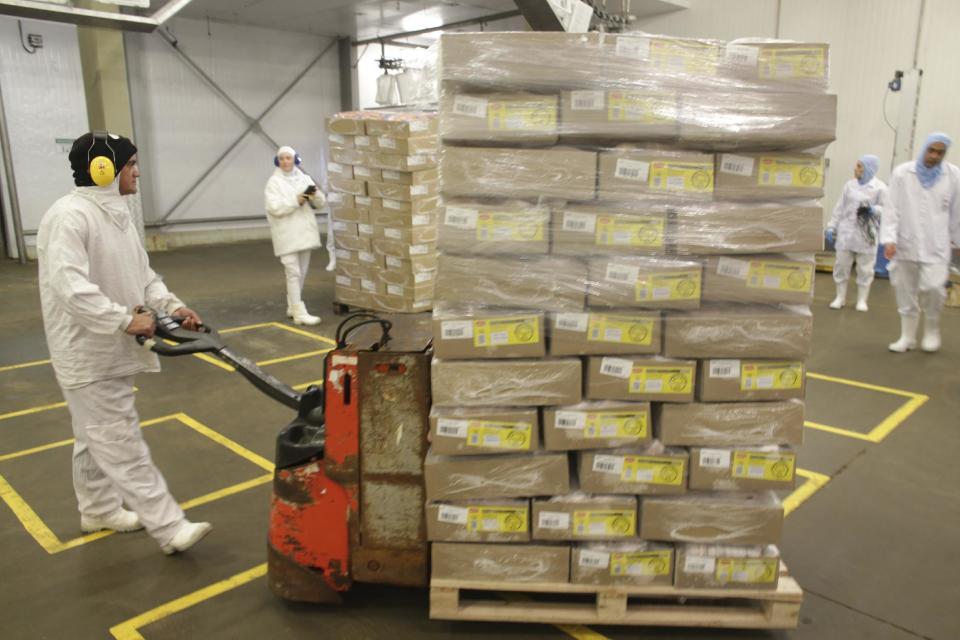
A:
x: 497, y: 519
x: 783, y: 276
x: 758, y: 376
x: 746, y: 570
x: 512, y: 227
x: 640, y: 106
x: 614, y: 424
x: 657, y: 287
x: 793, y: 62
x: 632, y: 232
x: 696, y: 58
x: 790, y: 172
x: 525, y: 115
x: 588, y: 524
x: 619, y: 329
x: 499, y: 332
x: 693, y: 177
x: 760, y: 465
x: 641, y: 563
x: 665, y: 379
x: 498, y: 435
x: 652, y: 470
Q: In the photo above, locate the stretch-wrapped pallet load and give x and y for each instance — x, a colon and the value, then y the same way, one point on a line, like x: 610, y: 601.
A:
x: 622, y: 305
x: 384, y: 202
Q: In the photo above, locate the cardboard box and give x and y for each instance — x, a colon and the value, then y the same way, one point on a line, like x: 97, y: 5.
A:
x: 542, y: 283
x: 399, y: 220
x: 338, y: 141
x: 347, y: 281
x: 727, y: 567
x: 346, y: 256
x: 597, y: 230
x: 414, y: 264
x: 345, y: 229
x: 648, y: 470
x: 509, y: 118
x: 619, y: 115
x: 737, y: 380
x: 409, y: 146
x: 351, y: 243
x: 403, y: 250
x: 368, y: 257
x: 398, y: 124
x: 493, y: 383
x: 407, y: 193
x: 718, y: 330
x: 410, y: 177
x: 407, y: 235
x: 579, y: 516
x: 465, y: 431
x: 466, y: 332
x: 366, y: 143
x: 637, y: 58
x: 408, y: 279
x: 622, y: 564
x: 483, y: 228
x: 558, y: 172
x: 729, y: 228
x: 782, y: 66
x: 769, y: 175
x: 727, y: 424
x: 352, y: 297
x: 341, y: 200
x: 627, y: 172
x: 755, y: 468
x: 353, y: 187
x: 402, y: 304
x: 366, y: 174
x: 409, y: 207
x: 495, y: 476
x: 344, y: 171
x: 348, y: 123
x: 584, y: 334
x: 367, y: 203
x: 765, y: 279
x: 713, y: 518
x: 359, y: 216
x: 412, y: 293
x: 500, y: 562
x: 348, y: 156
x: 399, y: 161
x: 354, y: 270
x: 365, y: 230
x: 640, y: 378
x: 596, y: 425
x: 479, y: 521
x: 650, y: 283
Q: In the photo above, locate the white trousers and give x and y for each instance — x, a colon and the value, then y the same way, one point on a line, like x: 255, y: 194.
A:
x: 331, y: 247
x: 111, y: 460
x: 865, y: 265
x: 919, y: 286
x: 295, y: 266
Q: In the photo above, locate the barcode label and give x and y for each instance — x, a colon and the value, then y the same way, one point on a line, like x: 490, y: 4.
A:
x: 583, y: 222
x: 413, y: 161
x: 570, y: 420
x: 362, y: 141
x: 419, y: 190
x: 698, y: 564
x: 452, y: 515
x: 368, y: 285
x: 737, y: 165
x: 392, y: 204
x: 724, y: 368
x: 456, y: 329
x: 733, y: 268
x: 553, y: 520
x: 394, y: 234
x: 572, y: 321
x: 632, y: 47
x: 422, y: 304
x: 622, y: 273
x: 339, y: 226
x: 608, y: 464
x: 391, y: 175
x: 461, y: 218
x: 755, y: 471
x: 739, y: 55
x: 364, y: 201
x: 586, y: 100
x: 394, y: 262
x: 452, y: 428
x: 616, y: 367
x: 365, y: 256
x: 336, y: 137
x: 418, y: 125
x: 387, y: 143
x: 365, y: 229
x: 335, y: 197
x: 470, y: 106
x: 419, y: 249
x: 394, y: 290
x: 632, y: 170
x: 420, y: 220
x: 423, y: 276
x: 344, y: 280
x: 362, y: 171
x: 715, y: 458
x: 334, y: 167
x: 343, y: 254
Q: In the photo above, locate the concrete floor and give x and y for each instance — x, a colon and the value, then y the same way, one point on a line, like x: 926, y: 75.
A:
x: 875, y: 547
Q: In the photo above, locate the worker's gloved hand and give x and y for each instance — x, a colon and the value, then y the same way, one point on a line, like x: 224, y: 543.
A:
x: 829, y: 235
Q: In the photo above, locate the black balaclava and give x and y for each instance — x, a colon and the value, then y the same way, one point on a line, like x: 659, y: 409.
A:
x: 81, y: 154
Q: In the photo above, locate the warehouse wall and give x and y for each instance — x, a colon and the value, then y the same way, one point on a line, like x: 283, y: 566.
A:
x: 940, y: 90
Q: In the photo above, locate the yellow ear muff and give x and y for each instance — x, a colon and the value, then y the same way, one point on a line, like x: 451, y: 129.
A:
x: 102, y: 171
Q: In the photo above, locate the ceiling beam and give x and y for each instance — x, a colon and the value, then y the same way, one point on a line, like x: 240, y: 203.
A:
x: 91, y: 17
x: 450, y: 25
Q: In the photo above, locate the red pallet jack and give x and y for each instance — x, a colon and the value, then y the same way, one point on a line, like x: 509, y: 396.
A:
x: 348, y: 485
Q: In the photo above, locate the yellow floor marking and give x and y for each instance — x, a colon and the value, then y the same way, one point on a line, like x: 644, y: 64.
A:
x: 29, y: 518
x: 896, y: 418
x: 228, y: 491
x: 837, y: 431
x: 815, y: 482
x: 129, y: 629
x: 298, y: 356
x: 206, y: 357
x: 248, y: 327
x: 23, y: 365
x: 224, y: 441
x: 33, y: 450
x: 303, y: 332
x: 863, y: 385
x: 580, y: 632
x: 27, y: 412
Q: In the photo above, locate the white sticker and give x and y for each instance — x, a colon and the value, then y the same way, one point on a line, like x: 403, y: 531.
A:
x: 570, y: 420
x: 594, y: 559
x: 736, y: 54
x: 637, y: 170
x: 336, y: 137
x: 783, y: 178
x: 632, y: 47
x: 339, y: 226
x: 365, y: 256
x: 423, y: 276
x: 461, y: 218
x: 394, y: 262
x: 586, y: 100
x: 452, y: 515
x: 365, y: 229
x: 344, y: 280
x: 413, y: 161
x: 584, y: 222
x: 470, y: 106
x: 334, y: 167
x: 394, y: 290
x: 420, y: 220
x: 724, y: 368
x: 393, y: 234
x: 362, y: 141
x: 553, y: 520
x: 368, y: 285
x: 422, y: 304
x: 387, y: 143
x: 715, y: 458
x: 364, y: 201
x: 362, y: 171
x: 456, y: 329
x: 622, y: 273
x: 419, y: 190
x: 572, y: 322
x: 419, y: 249
x: 616, y: 367
x: 392, y: 204
x: 335, y: 197
x: 737, y: 165
x: 419, y: 125
x: 733, y: 268
x: 699, y: 564
x: 391, y: 175
x: 608, y: 464
x: 343, y: 254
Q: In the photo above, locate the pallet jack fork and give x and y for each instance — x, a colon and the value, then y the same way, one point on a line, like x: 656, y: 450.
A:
x: 348, y: 491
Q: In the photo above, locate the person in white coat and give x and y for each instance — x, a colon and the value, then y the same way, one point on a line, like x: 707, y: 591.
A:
x: 854, y: 229
x: 917, y: 230
x: 290, y: 196
x: 94, y: 278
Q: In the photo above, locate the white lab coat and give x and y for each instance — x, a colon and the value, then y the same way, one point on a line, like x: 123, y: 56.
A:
x: 293, y: 226
x: 922, y: 222
x: 849, y: 234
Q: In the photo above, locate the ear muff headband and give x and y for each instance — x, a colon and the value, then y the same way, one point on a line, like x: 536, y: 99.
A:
x: 102, y: 169
x: 296, y: 160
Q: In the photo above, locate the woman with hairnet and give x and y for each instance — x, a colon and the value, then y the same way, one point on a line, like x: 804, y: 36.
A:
x: 854, y: 229
x: 918, y: 228
x: 290, y: 198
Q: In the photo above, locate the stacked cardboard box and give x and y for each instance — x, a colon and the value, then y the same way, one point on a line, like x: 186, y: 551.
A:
x: 384, y: 200
x: 622, y: 304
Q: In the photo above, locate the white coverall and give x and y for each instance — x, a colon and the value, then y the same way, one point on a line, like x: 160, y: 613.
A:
x: 852, y: 243
x: 922, y: 223
x: 93, y: 273
x: 293, y: 227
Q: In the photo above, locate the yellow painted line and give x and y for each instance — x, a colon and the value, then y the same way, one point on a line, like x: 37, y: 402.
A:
x: 896, y: 418
x: 33, y: 450
x: 129, y: 630
x: 303, y: 332
x: 224, y: 441
x: 304, y: 385
x: 29, y: 518
x: 32, y: 410
x: 815, y: 482
x: 206, y: 357
x: 838, y: 431
x: 863, y: 385
x: 24, y: 365
x: 248, y: 327
x: 580, y: 632
x: 228, y: 491
x: 298, y: 356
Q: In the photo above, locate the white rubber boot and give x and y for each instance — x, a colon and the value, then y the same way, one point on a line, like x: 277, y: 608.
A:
x: 188, y: 535
x: 289, y: 312
x: 863, y: 292
x: 302, y: 316
x: 333, y: 262
x: 841, y: 298
x: 931, y: 334
x: 121, y: 521
x: 908, y: 335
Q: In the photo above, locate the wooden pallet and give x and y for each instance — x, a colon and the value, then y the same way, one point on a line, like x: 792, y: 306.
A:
x: 648, y: 606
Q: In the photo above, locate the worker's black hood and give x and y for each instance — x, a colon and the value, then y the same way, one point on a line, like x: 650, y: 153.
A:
x: 85, y: 148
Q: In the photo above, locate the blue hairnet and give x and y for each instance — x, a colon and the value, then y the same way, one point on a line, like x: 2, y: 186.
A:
x: 871, y: 164
x: 928, y: 176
